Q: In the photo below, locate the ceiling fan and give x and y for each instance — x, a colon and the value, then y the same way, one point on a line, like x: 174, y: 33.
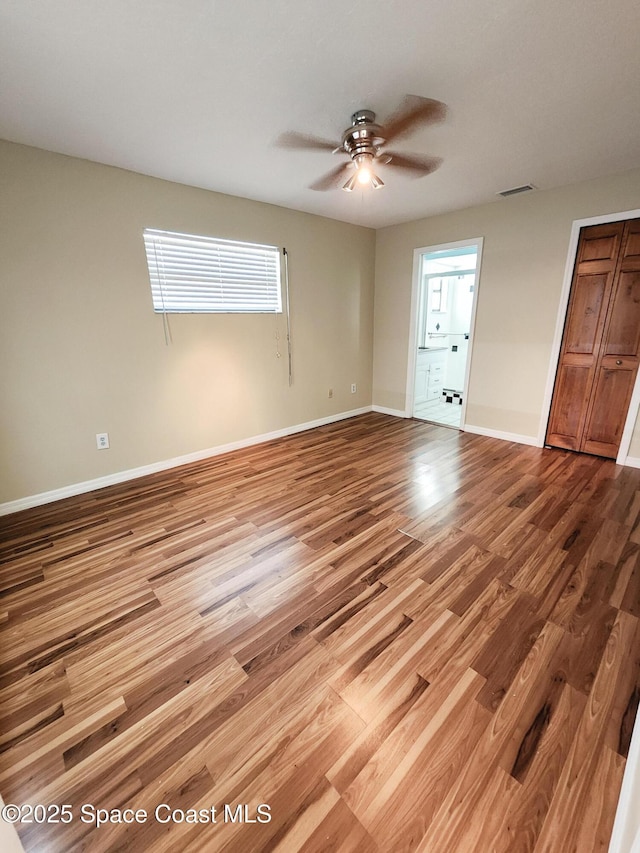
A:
x: 365, y: 143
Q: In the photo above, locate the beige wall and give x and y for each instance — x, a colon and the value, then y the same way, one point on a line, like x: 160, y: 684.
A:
x: 526, y: 241
x: 82, y: 352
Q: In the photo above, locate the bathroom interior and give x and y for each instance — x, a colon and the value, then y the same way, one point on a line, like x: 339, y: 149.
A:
x: 445, y: 309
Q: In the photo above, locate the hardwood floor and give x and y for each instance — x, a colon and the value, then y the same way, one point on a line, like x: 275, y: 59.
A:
x: 394, y: 635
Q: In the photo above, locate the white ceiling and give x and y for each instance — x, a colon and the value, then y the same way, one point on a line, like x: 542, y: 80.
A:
x: 197, y: 91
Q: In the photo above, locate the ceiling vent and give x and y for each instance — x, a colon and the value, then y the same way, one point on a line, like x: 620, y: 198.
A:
x: 525, y: 188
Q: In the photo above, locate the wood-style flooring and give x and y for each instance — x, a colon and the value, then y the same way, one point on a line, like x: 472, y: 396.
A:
x: 394, y: 635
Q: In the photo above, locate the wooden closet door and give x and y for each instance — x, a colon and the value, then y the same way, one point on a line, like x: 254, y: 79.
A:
x: 601, y: 344
x: 619, y: 354
x: 597, y: 256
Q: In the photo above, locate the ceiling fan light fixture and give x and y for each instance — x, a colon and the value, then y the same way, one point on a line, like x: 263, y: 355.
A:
x: 364, y: 171
x: 363, y: 163
x: 350, y: 185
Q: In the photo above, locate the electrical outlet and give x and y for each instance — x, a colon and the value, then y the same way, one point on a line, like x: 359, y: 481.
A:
x: 354, y: 387
x: 330, y: 393
x: 102, y: 440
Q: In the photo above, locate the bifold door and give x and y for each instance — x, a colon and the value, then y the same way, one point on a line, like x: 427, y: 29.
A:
x: 601, y: 343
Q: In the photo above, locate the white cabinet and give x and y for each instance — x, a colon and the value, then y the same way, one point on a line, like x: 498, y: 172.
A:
x: 436, y: 380
x: 422, y: 382
x: 430, y: 366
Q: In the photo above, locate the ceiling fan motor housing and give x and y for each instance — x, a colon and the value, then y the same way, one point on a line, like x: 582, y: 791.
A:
x: 364, y: 136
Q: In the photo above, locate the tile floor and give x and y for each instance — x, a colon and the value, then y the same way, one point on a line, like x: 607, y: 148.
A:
x: 447, y: 414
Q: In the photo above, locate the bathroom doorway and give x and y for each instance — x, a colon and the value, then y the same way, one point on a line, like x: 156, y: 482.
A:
x: 445, y: 298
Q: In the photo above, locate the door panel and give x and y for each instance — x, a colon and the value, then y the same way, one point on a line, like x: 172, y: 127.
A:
x: 600, y: 243
x: 422, y: 378
x: 613, y: 390
x: 623, y: 336
x: 584, y: 317
x: 632, y: 249
x: 573, y: 383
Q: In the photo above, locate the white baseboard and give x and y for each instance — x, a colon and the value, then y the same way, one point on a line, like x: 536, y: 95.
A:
x: 504, y: 436
x: 397, y: 413
x: 165, y: 464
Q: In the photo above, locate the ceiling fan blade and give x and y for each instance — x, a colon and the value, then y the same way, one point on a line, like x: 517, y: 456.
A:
x: 413, y: 112
x: 332, y: 178
x: 408, y: 162
x: 291, y: 139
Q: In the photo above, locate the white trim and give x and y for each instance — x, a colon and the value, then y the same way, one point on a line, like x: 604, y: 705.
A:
x: 474, y: 311
x: 632, y: 462
x: 413, y: 334
x: 397, y: 413
x: 504, y: 436
x: 634, y: 405
x: 413, y: 320
x: 165, y: 464
x: 627, y: 432
x: 625, y: 837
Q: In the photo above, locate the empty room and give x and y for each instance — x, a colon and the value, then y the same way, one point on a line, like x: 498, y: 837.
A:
x: 319, y: 426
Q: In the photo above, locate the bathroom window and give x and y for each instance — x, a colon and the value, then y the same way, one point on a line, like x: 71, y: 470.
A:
x: 438, y: 295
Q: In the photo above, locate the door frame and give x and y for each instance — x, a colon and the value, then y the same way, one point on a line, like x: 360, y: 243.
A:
x: 413, y: 321
x: 634, y: 404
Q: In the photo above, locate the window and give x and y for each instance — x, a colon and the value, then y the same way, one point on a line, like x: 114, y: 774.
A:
x: 195, y: 274
x: 438, y: 291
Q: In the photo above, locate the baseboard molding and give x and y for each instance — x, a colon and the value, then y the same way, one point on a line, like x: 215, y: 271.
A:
x: 166, y: 464
x: 397, y: 413
x: 504, y: 436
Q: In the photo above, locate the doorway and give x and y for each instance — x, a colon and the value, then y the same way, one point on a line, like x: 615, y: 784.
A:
x: 445, y: 288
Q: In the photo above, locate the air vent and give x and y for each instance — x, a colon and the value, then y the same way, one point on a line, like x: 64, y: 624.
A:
x: 525, y: 188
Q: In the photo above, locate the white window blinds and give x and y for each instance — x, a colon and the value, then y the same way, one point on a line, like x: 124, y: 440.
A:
x: 193, y: 274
